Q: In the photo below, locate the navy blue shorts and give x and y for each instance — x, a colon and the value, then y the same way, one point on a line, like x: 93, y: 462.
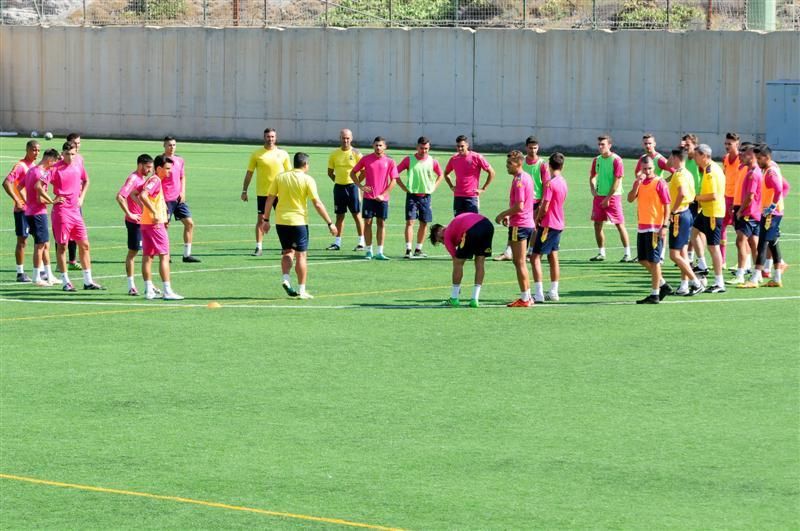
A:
x: 747, y: 226
x: 419, y: 207
x: 694, y: 208
x: 373, y: 208
x: 477, y: 241
x: 345, y: 198
x: 134, y: 235
x: 261, y: 203
x: 465, y: 204
x: 772, y: 232
x: 518, y: 234
x: 711, y: 227
x: 649, y: 245
x: 179, y: 210
x: 546, y: 240
x: 21, y: 228
x: 680, y: 229
x: 294, y: 237
x: 38, y: 228
x: 536, y: 203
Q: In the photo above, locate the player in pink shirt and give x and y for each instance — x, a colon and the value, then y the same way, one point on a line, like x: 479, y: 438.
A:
x: 132, y: 207
x: 468, y: 235
x: 153, y: 220
x: 36, y: 182
x: 518, y: 217
x: 379, y: 173
x: 550, y: 224
x: 175, y: 196
x: 747, y: 220
x: 773, y: 201
x: 72, y: 247
x: 14, y: 185
x: 467, y: 166
x: 70, y: 184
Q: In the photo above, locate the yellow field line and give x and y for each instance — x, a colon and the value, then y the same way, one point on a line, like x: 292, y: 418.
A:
x: 85, y: 314
x: 179, y: 499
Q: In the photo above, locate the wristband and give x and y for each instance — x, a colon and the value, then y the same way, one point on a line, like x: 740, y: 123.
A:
x: 330, y: 223
x: 266, y: 220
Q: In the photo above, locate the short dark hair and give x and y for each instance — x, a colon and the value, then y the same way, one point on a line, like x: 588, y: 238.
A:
x: 51, y: 153
x: 515, y: 156
x: 68, y: 145
x: 763, y: 149
x: 691, y: 137
x: 144, y: 158
x: 269, y: 130
x: 421, y: 141
x: 731, y: 136
x: 747, y: 146
x: 556, y: 161
x: 604, y: 137
x: 161, y: 160
x: 72, y: 136
x: 300, y: 159
x: 462, y: 138
x: 679, y: 153
x: 647, y: 159
x: 435, y: 228
x: 169, y: 138
x: 31, y: 143
x: 531, y: 140
x: 379, y: 139
x: 648, y: 135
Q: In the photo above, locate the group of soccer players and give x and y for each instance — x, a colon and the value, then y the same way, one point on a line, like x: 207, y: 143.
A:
x: 685, y: 201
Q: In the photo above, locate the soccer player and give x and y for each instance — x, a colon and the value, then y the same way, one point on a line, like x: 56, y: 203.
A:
x: 682, y: 193
x: 175, y: 196
x: 737, y: 173
x: 536, y: 167
x: 518, y: 217
x: 468, y: 235
x: 14, y: 185
x: 424, y: 176
x: 72, y: 247
x: 689, y: 142
x: 550, y: 224
x: 153, y: 220
x: 734, y: 172
x: 132, y: 208
x: 772, y: 201
x: 267, y: 162
x: 653, y: 204
x: 711, y: 200
x: 467, y: 166
x: 70, y: 184
x: 659, y: 160
x: 345, y: 192
x: 748, y: 216
x: 379, y: 173
x: 605, y: 183
x: 36, y: 200
x: 295, y: 188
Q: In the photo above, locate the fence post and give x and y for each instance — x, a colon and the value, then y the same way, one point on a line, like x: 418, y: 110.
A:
x: 391, y: 21
x: 84, y: 12
x: 594, y: 14
x: 265, y: 13
x: 325, y: 24
x: 668, y: 14
x: 455, y: 12
x: 205, y: 12
x: 524, y: 14
x: 708, y: 15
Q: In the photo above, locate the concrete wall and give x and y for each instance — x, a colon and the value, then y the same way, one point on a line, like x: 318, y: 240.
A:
x: 496, y: 85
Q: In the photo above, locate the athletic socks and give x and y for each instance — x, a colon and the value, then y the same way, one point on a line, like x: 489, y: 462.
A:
x: 701, y: 263
x: 259, y: 246
x: 525, y: 295
x: 369, y: 248
x: 380, y: 249
x: 187, y: 249
x: 602, y: 251
x: 777, y: 274
x: 37, y: 275
x: 338, y: 241
x: 419, y: 247
x: 49, y: 270
x: 408, y: 246
x: 65, y: 278
x: 756, y: 276
x: 684, y: 286
x: 287, y: 279
x: 361, y: 240
x: 654, y: 292
x: 507, y: 252
x: 554, y: 286
x: 719, y: 280
x: 148, y: 285
x: 455, y: 290
x: 538, y: 291
x: 301, y: 289
x: 131, y: 283
x: 627, y: 251
x: 20, y: 269
x: 87, y: 277
x: 476, y: 291
x: 768, y: 265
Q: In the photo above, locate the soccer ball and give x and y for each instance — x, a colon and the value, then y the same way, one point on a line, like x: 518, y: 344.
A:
x: 48, y: 136
x: 34, y: 134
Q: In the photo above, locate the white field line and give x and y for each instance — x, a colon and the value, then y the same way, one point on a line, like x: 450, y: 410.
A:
x: 250, y: 225
x: 300, y: 305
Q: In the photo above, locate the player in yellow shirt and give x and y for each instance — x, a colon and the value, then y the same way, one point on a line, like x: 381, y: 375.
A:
x: 294, y: 188
x: 681, y: 192
x: 711, y: 199
x: 345, y: 192
x: 267, y: 162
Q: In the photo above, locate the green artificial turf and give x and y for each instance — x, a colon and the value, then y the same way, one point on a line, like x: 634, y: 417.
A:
x: 374, y: 404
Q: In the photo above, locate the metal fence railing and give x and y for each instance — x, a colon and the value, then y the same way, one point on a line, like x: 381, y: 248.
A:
x: 546, y: 14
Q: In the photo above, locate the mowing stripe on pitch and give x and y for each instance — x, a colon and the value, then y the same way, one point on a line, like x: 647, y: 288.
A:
x: 179, y: 499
